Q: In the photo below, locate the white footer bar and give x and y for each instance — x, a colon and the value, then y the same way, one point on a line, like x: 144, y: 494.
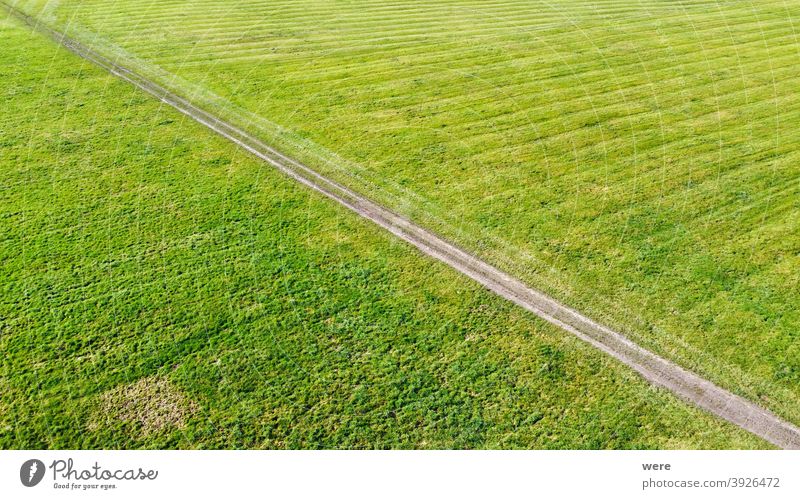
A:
x: 136, y: 474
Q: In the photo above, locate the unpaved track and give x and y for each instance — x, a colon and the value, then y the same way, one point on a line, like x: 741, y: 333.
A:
x: 686, y: 385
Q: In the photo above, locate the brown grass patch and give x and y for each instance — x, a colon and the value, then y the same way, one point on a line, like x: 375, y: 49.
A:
x: 152, y: 404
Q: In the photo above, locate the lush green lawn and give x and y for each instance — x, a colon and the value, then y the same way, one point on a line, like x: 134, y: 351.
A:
x: 637, y: 160
x: 159, y: 288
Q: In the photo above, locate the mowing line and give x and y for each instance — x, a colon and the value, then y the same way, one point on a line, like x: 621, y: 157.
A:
x: 657, y: 370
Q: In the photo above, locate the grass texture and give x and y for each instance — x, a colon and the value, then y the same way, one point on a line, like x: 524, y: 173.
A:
x: 160, y: 289
x: 636, y: 160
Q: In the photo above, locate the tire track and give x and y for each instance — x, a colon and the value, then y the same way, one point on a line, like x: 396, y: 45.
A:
x: 657, y: 370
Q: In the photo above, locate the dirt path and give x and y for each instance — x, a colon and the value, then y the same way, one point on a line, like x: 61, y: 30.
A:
x: 659, y: 371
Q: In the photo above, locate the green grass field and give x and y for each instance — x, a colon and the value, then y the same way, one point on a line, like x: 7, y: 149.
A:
x: 162, y: 289
x: 636, y: 161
